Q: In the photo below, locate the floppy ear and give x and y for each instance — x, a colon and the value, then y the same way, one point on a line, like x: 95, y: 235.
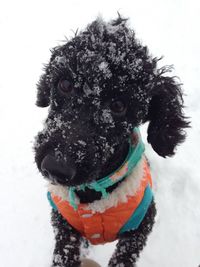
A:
x: 167, y: 121
x: 43, y: 92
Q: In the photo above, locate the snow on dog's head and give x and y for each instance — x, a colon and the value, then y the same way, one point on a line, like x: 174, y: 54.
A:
x: 100, y: 85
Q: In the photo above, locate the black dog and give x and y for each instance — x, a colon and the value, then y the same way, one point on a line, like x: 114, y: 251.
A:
x: 100, y: 86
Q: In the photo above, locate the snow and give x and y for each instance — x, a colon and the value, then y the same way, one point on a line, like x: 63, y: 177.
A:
x: 28, y: 30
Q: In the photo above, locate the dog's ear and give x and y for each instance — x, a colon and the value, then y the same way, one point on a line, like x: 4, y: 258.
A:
x: 167, y: 121
x: 43, y: 92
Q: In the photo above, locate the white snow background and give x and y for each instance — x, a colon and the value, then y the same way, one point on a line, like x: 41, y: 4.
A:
x: 28, y: 29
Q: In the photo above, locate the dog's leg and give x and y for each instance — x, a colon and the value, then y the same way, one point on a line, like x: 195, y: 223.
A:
x: 68, y: 241
x: 131, y: 243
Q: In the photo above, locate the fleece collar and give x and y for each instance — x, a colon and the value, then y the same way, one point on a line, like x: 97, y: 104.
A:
x: 136, y: 149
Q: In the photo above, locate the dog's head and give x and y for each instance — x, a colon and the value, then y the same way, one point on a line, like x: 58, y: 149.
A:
x: 100, y: 85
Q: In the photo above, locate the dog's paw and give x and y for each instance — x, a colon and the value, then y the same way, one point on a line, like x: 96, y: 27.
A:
x: 66, y: 264
x: 125, y: 263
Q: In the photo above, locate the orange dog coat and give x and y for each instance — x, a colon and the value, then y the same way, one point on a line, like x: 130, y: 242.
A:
x: 101, y: 227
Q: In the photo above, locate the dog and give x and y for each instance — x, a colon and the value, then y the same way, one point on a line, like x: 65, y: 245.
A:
x: 100, y: 86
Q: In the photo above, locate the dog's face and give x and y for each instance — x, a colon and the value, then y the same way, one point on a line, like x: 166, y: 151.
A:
x: 99, y: 86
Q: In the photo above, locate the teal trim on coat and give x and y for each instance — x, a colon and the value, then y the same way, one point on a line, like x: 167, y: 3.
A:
x: 51, y: 201
x: 139, y: 214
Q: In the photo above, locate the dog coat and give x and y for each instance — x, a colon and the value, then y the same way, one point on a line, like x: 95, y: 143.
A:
x: 103, y: 220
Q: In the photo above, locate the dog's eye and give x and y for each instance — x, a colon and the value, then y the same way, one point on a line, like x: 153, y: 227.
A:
x: 118, y: 107
x: 65, y: 86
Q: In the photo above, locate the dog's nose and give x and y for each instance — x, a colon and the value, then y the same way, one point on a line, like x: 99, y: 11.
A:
x: 58, y: 170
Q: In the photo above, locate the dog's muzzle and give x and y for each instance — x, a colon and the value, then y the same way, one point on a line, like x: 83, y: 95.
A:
x: 59, y: 171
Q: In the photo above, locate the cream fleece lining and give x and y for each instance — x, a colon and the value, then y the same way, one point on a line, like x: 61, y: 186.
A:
x: 127, y: 188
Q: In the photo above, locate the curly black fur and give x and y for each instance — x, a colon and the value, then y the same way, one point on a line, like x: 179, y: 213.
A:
x: 131, y: 243
x: 68, y: 242
x: 167, y: 121
x: 84, y: 137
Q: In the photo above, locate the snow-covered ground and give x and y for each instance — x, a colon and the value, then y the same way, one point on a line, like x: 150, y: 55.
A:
x: 27, y: 30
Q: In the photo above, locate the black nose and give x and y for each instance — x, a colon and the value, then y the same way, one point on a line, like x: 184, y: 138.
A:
x: 58, y: 170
